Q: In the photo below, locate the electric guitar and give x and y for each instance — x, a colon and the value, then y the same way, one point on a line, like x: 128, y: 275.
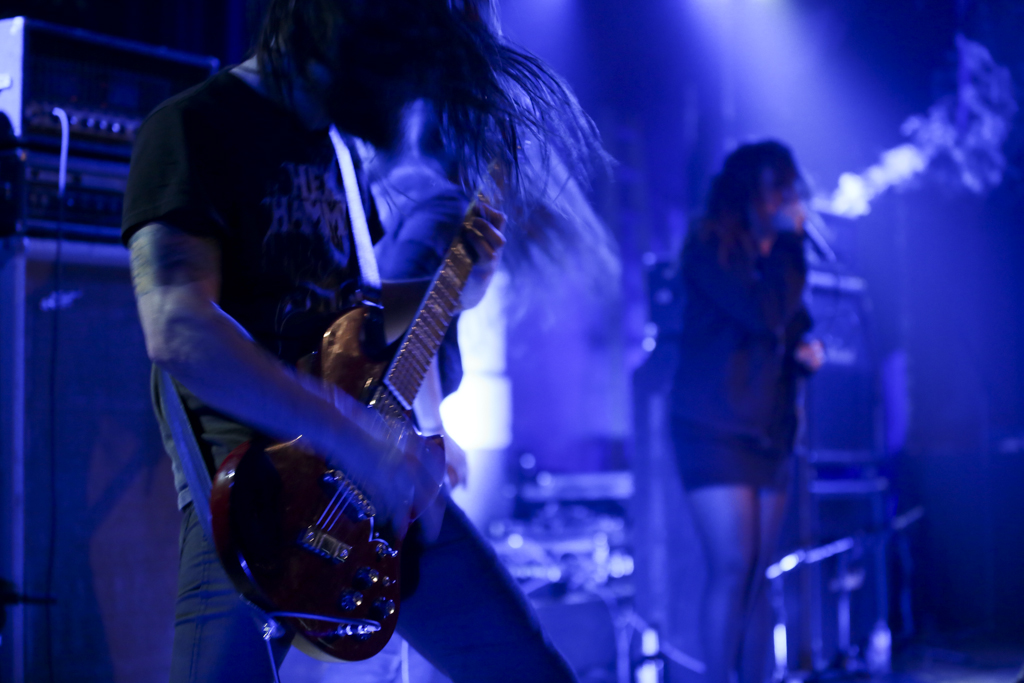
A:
x: 298, y: 537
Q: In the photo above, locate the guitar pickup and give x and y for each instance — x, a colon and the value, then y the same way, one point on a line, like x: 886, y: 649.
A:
x: 321, y: 543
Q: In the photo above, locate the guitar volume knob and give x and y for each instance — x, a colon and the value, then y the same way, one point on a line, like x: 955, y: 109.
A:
x: 382, y: 608
x: 365, y: 577
x: 350, y: 600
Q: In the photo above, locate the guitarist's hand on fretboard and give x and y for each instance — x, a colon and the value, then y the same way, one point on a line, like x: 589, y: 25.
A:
x: 483, y: 232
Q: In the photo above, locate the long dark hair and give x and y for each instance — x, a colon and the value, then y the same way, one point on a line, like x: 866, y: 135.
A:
x: 489, y: 96
x: 738, y: 186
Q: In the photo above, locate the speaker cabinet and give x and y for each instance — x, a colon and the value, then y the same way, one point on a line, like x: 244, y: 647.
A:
x: 841, y: 399
x: 88, y: 504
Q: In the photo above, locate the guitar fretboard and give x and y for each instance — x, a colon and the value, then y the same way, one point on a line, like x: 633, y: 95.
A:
x: 405, y: 375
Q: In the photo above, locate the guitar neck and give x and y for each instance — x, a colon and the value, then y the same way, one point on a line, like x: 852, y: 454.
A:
x: 412, y: 361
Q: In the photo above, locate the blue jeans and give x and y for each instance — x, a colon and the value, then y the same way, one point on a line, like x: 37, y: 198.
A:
x: 466, y: 616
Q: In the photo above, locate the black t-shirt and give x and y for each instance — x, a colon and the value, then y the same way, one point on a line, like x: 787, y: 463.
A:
x: 224, y: 162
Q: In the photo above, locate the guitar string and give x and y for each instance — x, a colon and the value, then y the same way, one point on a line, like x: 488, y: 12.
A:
x: 342, y: 505
x: 320, y: 521
x: 334, y: 509
x: 435, y: 314
x: 327, y: 518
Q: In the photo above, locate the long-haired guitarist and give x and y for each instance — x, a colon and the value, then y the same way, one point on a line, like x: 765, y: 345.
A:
x: 239, y: 233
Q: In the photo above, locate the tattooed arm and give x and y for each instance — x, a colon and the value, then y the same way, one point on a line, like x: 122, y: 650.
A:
x: 177, y: 283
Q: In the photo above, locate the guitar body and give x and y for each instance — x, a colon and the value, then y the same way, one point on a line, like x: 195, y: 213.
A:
x: 298, y: 538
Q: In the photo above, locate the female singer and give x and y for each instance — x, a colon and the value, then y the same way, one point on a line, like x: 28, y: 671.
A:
x: 734, y: 396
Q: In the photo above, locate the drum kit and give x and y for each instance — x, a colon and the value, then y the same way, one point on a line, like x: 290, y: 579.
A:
x: 569, y: 547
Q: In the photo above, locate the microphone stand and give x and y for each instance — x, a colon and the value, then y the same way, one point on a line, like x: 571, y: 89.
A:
x: 814, y: 228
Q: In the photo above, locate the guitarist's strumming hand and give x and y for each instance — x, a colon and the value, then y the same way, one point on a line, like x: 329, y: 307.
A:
x: 410, y: 475
x: 483, y: 228
x: 400, y: 471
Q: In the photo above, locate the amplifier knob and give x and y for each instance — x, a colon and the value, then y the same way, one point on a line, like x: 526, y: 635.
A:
x: 365, y: 577
x: 350, y: 600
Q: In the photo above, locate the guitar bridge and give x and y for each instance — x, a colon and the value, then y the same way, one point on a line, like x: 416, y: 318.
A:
x: 321, y: 543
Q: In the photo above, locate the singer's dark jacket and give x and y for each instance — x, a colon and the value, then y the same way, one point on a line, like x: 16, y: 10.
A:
x: 742, y: 322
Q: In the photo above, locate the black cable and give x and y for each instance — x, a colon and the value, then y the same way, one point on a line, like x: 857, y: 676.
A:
x: 51, y: 554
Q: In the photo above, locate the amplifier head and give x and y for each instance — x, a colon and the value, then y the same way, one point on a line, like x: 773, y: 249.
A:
x: 106, y: 85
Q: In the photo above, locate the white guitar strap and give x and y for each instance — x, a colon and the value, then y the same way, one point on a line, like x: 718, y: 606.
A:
x: 189, y: 456
x: 199, y: 486
x: 369, y: 272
